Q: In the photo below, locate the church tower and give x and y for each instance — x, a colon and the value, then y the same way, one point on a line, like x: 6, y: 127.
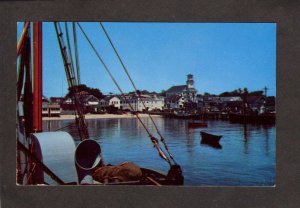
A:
x: 190, y: 81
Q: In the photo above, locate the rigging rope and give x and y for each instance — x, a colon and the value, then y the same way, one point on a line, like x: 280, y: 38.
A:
x: 76, y: 53
x: 70, y: 52
x: 68, y: 70
x: 162, y: 139
x: 153, y: 139
x: 80, y: 120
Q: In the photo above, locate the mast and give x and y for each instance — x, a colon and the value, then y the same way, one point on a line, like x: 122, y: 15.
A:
x: 37, y: 74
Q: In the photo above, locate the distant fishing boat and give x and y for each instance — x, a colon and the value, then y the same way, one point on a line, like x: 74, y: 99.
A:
x: 196, y: 125
x: 210, y: 138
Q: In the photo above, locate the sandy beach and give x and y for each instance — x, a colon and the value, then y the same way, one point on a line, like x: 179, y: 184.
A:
x: 97, y: 116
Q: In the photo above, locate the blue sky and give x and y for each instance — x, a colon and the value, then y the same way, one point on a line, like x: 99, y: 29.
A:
x: 221, y: 56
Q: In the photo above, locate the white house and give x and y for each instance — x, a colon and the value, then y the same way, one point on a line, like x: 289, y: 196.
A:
x: 90, y: 100
x: 110, y: 101
x: 151, y: 102
x: 176, y: 102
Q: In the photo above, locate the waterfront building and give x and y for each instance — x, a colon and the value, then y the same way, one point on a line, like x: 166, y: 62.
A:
x: 181, y: 96
x: 187, y: 91
x: 257, y: 103
x: 175, y: 102
x: 152, y: 102
x: 90, y: 103
x: 232, y: 103
x: 90, y: 100
x: 50, y: 109
x: 231, y: 99
x: 68, y: 101
x: 57, y: 100
x: 107, y: 101
x: 209, y: 103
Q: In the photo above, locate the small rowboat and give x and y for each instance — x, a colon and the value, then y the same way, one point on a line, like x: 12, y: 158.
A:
x: 210, y: 138
x: 196, y: 125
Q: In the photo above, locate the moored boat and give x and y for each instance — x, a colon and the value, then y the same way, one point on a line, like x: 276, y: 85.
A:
x: 210, y: 138
x: 197, y: 125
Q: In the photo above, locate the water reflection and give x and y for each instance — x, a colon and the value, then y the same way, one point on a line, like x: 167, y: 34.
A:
x: 246, y: 138
x: 259, y: 130
x: 247, y: 155
x: 266, y: 133
x: 213, y: 145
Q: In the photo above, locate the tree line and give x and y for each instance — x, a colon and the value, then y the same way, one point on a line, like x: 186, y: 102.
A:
x: 98, y: 94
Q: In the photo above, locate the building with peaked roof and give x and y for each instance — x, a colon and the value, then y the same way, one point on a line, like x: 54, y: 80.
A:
x: 175, y: 90
x: 110, y: 101
x: 57, y: 100
x: 187, y: 91
x: 144, y: 102
x: 175, y: 102
x: 89, y: 100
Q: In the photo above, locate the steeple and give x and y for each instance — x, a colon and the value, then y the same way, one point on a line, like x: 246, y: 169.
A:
x: 190, y: 81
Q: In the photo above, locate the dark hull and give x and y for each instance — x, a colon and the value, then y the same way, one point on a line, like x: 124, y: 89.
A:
x: 210, y: 138
x: 197, y: 125
x: 259, y: 119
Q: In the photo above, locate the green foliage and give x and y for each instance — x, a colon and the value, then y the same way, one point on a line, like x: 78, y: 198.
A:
x: 209, y: 94
x: 83, y: 88
x: 240, y: 92
x: 260, y: 92
x: 162, y: 93
x: 206, y: 94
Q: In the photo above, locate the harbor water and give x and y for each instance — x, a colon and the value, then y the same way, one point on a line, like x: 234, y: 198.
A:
x: 246, y: 156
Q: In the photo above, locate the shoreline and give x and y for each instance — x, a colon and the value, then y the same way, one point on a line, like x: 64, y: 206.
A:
x: 98, y: 116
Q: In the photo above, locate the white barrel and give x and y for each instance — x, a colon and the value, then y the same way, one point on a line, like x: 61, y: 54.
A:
x: 56, y: 151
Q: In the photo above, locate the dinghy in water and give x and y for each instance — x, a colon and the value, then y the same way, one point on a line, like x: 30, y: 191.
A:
x: 210, y: 138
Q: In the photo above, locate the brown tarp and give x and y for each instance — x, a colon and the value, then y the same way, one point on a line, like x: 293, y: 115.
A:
x: 126, y: 171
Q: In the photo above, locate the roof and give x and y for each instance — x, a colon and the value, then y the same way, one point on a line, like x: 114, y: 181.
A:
x: 175, y: 98
x: 108, y: 98
x: 254, y: 98
x: 176, y: 89
x: 56, y: 99
x: 45, y: 99
x: 270, y: 101
x: 231, y: 98
x: 210, y: 98
x: 90, y: 98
